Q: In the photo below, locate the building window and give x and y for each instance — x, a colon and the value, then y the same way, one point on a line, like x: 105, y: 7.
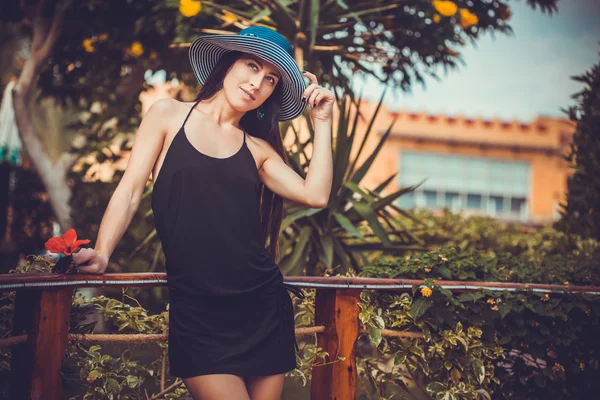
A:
x: 495, y: 187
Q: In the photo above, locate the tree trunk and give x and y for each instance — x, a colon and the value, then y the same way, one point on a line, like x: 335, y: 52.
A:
x: 52, y: 174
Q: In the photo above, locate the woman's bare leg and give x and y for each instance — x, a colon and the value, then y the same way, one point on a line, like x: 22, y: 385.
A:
x: 217, y: 387
x: 265, y: 387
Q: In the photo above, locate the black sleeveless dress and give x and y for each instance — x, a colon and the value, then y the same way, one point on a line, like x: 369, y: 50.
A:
x: 230, y: 311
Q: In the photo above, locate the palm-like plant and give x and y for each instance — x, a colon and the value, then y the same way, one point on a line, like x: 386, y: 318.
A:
x: 356, y: 221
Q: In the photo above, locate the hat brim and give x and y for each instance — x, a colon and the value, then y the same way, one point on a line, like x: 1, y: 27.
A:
x: 205, y: 52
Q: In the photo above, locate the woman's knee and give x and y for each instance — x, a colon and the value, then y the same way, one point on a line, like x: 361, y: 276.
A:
x: 217, y: 387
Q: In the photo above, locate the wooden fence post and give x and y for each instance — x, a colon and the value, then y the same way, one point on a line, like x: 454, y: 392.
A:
x: 338, y: 310
x: 36, y: 364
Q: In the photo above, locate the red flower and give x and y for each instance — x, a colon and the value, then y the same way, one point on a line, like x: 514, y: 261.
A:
x: 66, y: 244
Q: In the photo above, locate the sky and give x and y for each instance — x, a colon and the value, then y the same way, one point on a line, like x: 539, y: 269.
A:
x: 520, y: 76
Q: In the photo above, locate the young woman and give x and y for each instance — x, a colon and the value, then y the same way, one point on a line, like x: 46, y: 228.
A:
x: 219, y: 183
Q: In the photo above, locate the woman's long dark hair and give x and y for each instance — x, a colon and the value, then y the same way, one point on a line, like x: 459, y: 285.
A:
x: 271, y: 204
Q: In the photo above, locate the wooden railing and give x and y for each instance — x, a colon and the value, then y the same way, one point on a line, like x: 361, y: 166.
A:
x: 43, y: 306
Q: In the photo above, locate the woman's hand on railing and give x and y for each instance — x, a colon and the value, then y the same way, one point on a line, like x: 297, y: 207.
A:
x: 89, y: 261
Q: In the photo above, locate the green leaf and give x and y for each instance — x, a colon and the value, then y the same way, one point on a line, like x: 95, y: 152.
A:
x: 436, y: 387
x: 470, y: 297
x: 356, y: 189
x: 400, y: 358
x: 375, y: 334
x: 293, y: 260
x: 261, y: 14
x: 94, y: 348
x: 369, y: 215
x: 479, y: 370
x: 503, y: 309
x: 445, y: 272
x: 132, y: 381
x: 327, y: 245
x: 384, y: 184
x: 289, y: 219
x: 483, y: 394
x: 364, y: 168
x: 112, y: 387
x: 417, y: 351
x: 379, y: 323
x: 347, y: 224
x: 93, y: 375
x: 419, y: 307
x: 388, y: 200
x: 314, y: 21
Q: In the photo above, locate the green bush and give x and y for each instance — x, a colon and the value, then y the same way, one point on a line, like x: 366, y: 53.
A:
x: 488, y: 344
x: 485, y: 344
x: 581, y: 213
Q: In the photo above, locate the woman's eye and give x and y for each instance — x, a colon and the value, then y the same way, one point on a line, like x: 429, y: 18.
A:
x: 253, y: 65
x: 271, y: 79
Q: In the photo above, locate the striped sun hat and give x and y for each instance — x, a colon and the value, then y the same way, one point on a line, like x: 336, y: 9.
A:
x: 264, y: 43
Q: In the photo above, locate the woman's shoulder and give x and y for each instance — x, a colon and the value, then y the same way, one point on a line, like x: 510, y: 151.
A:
x: 167, y: 106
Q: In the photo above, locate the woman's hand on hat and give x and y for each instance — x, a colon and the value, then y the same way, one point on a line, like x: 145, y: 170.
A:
x: 319, y: 101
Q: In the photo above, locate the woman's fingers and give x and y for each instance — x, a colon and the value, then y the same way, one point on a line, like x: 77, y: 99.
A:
x: 311, y: 77
x: 94, y: 264
x: 314, y: 93
x: 83, y: 256
x: 312, y: 100
x: 94, y: 268
x: 318, y: 98
x: 308, y: 91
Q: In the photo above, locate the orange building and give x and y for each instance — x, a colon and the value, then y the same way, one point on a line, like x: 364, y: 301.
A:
x: 506, y: 169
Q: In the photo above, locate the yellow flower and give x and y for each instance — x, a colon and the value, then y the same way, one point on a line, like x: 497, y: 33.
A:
x: 426, y: 292
x: 581, y: 366
x: 228, y: 18
x: 102, y: 37
x: 153, y: 55
x: 557, y: 367
x: 136, y: 49
x: 546, y: 297
x: 189, y: 8
x: 467, y: 18
x: 436, y: 18
x: 88, y: 45
x: 491, y: 301
x: 446, y: 8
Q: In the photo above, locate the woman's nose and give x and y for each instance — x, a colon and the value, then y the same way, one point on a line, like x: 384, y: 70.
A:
x: 255, y: 81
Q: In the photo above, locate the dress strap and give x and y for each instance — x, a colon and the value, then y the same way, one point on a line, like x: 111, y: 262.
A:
x: 190, y: 112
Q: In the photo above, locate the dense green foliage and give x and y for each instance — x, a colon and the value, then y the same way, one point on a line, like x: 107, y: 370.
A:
x: 520, y: 345
x: 485, y: 249
x: 581, y: 213
x: 485, y: 344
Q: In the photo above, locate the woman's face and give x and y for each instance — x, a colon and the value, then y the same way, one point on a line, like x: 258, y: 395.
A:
x: 249, y: 82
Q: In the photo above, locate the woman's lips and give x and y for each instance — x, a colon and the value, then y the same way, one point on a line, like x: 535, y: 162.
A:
x: 246, y: 95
